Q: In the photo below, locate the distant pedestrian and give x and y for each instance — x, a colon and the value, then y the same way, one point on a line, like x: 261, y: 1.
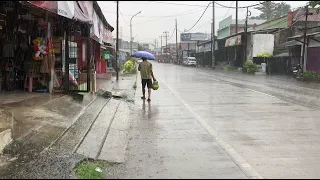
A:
x: 146, y: 74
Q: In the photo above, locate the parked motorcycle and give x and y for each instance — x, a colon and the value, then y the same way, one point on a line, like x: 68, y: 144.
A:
x: 297, y: 71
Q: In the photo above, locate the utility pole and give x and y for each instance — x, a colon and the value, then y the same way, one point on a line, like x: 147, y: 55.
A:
x: 166, y: 36
x: 304, y: 38
x: 245, y: 35
x: 236, y: 17
x: 177, y: 56
x: 161, y: 44
x: 117, y: 44
x: 212, y: 38
x: 155, y: 47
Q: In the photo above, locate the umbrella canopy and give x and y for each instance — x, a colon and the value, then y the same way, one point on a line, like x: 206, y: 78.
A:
x: 145, y: 54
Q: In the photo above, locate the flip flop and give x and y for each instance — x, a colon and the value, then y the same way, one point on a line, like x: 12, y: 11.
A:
x: 143, y: 97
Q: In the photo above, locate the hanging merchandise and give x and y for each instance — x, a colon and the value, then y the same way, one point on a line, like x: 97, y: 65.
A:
x: 38, y: 49
x: 45, y: 65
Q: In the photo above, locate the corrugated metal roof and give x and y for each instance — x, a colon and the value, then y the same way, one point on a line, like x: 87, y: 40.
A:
x: 300, y: 15
x: 300, y: 36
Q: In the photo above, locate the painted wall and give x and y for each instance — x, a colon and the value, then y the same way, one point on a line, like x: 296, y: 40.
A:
x: 224, y: 27
x: 262, y: 43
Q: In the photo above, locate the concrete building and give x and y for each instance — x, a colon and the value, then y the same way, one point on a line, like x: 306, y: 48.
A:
x: 227, y: 27
x: 125, y: 45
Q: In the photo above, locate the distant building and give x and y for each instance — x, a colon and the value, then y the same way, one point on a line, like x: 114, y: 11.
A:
x: 125, y: 45
x: 227, y: 27
x: 146, y: 46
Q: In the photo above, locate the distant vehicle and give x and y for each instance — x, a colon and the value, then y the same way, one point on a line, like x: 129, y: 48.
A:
x: 191, y: 61
x: 297, y: 71
x: 184, y: 61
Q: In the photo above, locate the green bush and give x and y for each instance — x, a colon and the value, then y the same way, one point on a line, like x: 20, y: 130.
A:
x: 249, y: 67
x: 264, y: 54
x: 311, y: 76
x: 130, y: 67
x: 133, y: 60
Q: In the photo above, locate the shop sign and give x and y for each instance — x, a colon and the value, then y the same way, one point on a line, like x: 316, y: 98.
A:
x: 233, y: 41
x: 106, y: 55
x: 62, y: 8
x: 66, y: 9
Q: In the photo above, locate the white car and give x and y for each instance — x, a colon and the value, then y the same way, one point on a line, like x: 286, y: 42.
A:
x: 191, y: 61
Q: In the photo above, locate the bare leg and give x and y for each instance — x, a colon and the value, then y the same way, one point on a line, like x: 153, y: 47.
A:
x: 149, y: 93
x: 144, y: 93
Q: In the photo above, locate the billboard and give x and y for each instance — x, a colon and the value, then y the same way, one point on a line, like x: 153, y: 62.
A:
x: 233, y: 41
x: 193, y: 37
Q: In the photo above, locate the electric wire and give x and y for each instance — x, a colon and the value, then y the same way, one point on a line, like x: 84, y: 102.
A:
x: 199, y: 18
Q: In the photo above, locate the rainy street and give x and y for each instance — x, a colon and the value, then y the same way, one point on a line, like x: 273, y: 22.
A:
x: 206, y: 123
x: 235, y: 89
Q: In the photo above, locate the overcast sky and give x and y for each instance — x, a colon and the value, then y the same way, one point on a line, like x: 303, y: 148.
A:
x: 159, y: 16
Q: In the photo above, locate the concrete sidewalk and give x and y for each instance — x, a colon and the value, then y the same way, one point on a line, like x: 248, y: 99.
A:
x: 166, y: 141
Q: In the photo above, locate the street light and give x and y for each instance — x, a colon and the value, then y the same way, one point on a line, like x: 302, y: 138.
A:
x: 131, y: 31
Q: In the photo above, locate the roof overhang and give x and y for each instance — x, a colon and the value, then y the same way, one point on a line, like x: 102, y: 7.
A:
x: 290, y: 43
x: 311, y: 36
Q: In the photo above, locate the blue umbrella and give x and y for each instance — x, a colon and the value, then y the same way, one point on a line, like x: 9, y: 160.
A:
x: 145, y: 54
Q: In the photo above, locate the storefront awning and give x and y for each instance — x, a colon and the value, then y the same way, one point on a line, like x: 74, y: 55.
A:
x: 77, y: 10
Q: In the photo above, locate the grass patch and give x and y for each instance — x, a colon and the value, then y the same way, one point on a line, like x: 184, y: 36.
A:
x: 86, y: 169
x: 230, y: 68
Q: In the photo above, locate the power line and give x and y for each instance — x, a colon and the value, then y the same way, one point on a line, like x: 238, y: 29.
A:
x: 200, y: 17
x: 239, y: 7
x: 203, y: 25
x: 181, y: 14
x: 228, y: 9
x: 123, y: 17
x: 172, y: 32
x: 177, y: 4
x: 221, y: 5
x: 194, y: 9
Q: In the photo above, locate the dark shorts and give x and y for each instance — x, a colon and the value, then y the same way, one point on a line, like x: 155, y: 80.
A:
x: 147, y: 82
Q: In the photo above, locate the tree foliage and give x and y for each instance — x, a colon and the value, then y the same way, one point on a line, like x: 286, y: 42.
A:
x: 270, y: 10
x: 314, y: 3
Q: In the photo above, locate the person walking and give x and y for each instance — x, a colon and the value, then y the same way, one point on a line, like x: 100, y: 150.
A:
x: 146, y: 74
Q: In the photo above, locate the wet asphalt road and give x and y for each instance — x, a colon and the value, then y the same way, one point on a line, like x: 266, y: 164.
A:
x: 212, y: 124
